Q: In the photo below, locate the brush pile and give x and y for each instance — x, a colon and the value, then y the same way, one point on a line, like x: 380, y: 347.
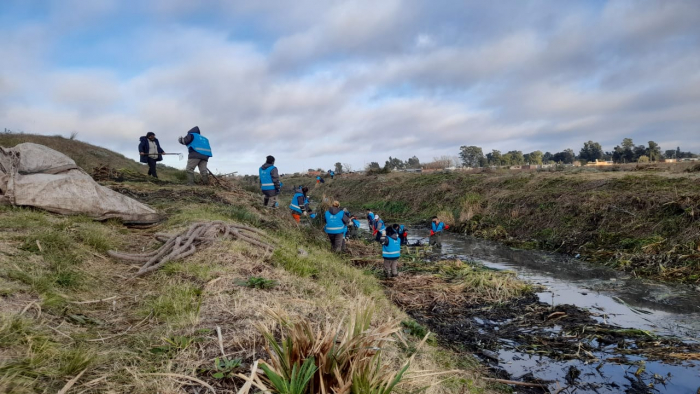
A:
x: 187, y: 242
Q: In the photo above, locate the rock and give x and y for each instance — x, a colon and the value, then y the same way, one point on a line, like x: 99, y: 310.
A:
x: 302, y: 252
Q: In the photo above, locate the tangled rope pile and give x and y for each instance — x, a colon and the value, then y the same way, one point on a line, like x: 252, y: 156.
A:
x: 186, y: 243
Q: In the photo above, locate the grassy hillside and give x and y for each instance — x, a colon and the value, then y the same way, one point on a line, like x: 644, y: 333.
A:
x: 88, y: 156
x: 644, y: 223
x: 69, y: 311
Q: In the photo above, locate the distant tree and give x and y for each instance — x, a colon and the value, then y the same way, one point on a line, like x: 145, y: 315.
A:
x: 394, y: 164
x: 310, y: 170
x: 347, y: 168
x: 670, y: 154
x: 607, y: 156
x: 338, y: 168
x: 442, y: 161
x: 413, y: 162
x: 624, y: 153
x: 472, y: 156
x: 320, y: 170
x: 516, y: 158
x: 591, y: 151
x: 373, y: 166
x: 547, y: 157
x: 567, y: 156
x: 535, y: 157
x: 494, y: 157
x: 643, y: 159
x: 654, y: 151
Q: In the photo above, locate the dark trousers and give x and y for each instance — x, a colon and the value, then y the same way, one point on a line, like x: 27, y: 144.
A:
x: 337, y: 242
x: 404, y: 240
x: 152, y: 167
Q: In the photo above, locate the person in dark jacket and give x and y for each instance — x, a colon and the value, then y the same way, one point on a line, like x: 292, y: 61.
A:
x: 353, y: 227
x: 391, y: 251
x: 336, y: 224
x: 400, y: 230
x: 269, y: 182
x: 198, y: 156
x: 150, y: 152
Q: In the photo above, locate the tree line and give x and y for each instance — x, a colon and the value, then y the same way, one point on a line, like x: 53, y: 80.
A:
x: 625, y: 152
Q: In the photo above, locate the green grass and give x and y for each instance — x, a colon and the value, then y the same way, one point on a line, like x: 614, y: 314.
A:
x: 176, y: 303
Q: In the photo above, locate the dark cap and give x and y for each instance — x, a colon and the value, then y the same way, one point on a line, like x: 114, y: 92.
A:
x: 270, y: 159
x: 150, y: 133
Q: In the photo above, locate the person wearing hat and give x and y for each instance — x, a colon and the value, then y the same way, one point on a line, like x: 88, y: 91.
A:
x: 269, y: 182
x: 150, y: 152
x: 199, y: 152
x: 379, y: 229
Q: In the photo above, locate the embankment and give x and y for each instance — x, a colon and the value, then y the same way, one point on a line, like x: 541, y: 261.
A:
x: 71, y: 316
x: 643, y: 223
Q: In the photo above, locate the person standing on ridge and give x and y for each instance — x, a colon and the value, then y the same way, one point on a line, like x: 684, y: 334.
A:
x: 331, y: 173
x: 269, y: 182
x: 336, y: 223
x: 300, y: 203
x: 150, y: 152
x: 391, y: 251
x: 199, y: 152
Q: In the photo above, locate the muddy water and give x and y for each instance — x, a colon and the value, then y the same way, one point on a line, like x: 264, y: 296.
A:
x: 617, y: 298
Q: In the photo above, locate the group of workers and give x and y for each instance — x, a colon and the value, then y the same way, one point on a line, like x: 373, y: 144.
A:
x: 340, y: 225
x: 199, y: 152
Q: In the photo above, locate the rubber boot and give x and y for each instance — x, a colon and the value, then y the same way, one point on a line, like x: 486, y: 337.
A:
x: 190, y: 179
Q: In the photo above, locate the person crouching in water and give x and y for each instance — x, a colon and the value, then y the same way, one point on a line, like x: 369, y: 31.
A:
x: 391, y: 251
x: 353, y: 227
x: 300, y: 203
x: 336, y: 222
x: 400, y: 229
x: 379, y: 229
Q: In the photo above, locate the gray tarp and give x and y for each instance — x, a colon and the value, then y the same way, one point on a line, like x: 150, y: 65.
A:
x: 37, y: 176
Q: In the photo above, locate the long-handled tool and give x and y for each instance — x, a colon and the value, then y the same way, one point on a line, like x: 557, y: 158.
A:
x: 180, y: 155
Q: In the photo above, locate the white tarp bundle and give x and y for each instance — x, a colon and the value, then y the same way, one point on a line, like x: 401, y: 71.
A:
x: 37, y: 176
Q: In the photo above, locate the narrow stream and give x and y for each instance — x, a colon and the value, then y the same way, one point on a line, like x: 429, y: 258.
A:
x: 619, y: 299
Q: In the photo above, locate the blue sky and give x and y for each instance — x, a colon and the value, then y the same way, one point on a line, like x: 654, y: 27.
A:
x: 319, y: 82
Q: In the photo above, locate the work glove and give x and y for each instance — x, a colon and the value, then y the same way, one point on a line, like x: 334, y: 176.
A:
x: 447, y: 226
x: 432, y: 233
x: 304, y: 213
x: 181, y: 140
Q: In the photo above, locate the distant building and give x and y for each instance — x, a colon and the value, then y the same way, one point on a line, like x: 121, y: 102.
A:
x: 598, y: 163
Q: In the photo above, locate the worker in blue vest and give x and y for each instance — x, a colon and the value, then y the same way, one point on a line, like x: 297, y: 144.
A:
x: 198, y: 155
x: 391, y: 251
x: 336, y: 223
x: 319, y: 179
x: 378, y: 229
x: 400, y: 230
x: 436, y: 229
x: 300, y: 203
x: 331, y: 173
x: 370, y: 219
x: 353, y: 228
x: 269, y: 182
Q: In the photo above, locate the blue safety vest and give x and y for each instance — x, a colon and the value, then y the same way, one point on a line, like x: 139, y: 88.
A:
x: 370, y: 216
x: 379, y: 225
x: 334, y: 223
x: 393, y: 249
x: 440, y: 226
x: 401, y: 230
x: 293, y: 206
x: 266, y: 179
x: 200, y: 144
x: 356, y: 223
